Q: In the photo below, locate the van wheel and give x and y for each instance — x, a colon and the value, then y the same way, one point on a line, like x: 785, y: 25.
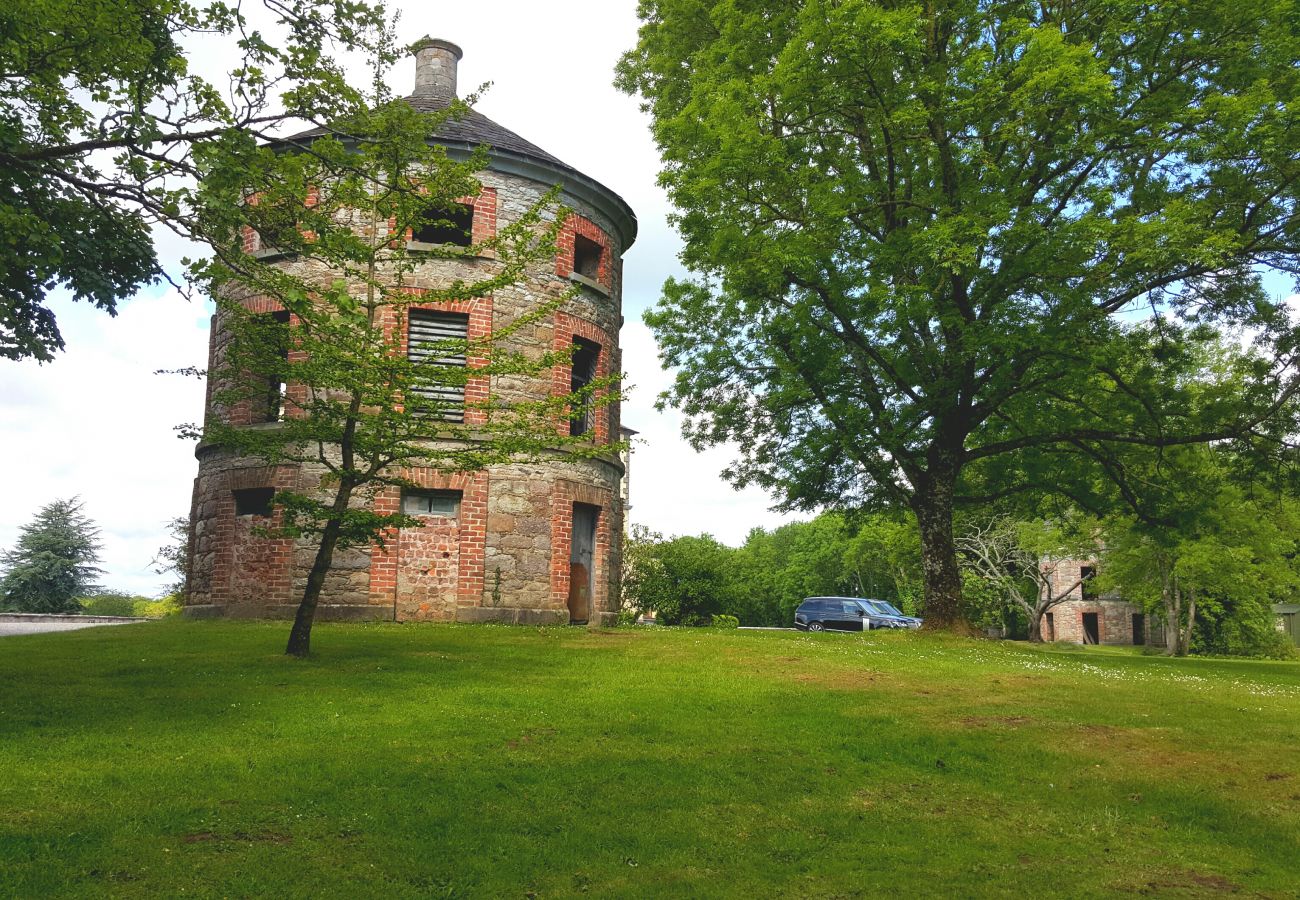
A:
x: 816, y: 626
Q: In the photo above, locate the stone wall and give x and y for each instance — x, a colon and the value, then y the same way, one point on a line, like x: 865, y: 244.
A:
x: 1114, y: 615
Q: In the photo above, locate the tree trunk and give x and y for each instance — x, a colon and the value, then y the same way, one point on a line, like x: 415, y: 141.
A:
x: 1173, y: 627
x: 1036, y: 624
x: 1185, y: 642
x: 932, y: 505
x: 300, y: 635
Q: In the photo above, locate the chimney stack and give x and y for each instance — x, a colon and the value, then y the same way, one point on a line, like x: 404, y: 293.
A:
x: 435, y: 68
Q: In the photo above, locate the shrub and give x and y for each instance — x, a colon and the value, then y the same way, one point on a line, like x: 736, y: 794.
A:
x: 1250, y: 632
x: 724, y: 621
x: 109, y: 603
x: 113, y: 603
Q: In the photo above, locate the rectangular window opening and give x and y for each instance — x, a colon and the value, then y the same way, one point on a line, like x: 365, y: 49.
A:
x: 587, y: 257
x: 586, y: 357
x: 278, y: 229
x: 274, y: 331
x: 1086, y: 575
x: 431, y: 503
x: 1051, y: 627
x: 452, y: 225
x: 436, y: 341
x: 253, y: 501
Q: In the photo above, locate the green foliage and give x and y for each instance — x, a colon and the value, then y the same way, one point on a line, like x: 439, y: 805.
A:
x: 1211, y: 550
x: 109, y: 603
x: 948, y: 253
x: 113, y: 603
x: 883, y: 559
x: 776, y: 570
x: 684, y: 580
x: 1249, y: 631
x: 102, y: 124
x: 173, y: 557
x: 722, y: 620
x: 54, y: 561
x: 626, y: 618
x: 764, y: 580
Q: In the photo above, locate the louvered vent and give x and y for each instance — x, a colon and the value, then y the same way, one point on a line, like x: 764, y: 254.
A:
x: 427, y: 329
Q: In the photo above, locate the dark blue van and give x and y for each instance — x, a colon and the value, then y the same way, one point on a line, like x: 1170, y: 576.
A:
x: 840, y: 614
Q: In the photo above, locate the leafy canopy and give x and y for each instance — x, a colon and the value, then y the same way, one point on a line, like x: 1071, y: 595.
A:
x: 932, y: 238
x: 100, y: 118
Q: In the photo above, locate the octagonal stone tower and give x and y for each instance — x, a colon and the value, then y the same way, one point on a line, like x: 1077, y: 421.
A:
x: 532, y: 543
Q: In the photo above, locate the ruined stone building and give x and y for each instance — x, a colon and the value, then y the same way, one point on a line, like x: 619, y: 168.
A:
x: 1088, y: 617
x: 535, y: 542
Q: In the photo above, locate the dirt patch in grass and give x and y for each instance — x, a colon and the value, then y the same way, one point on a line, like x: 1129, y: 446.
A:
x: 1145, y: 747
x: 990, y: 721
x: 1186, y: 884
x: 530, y: 737
x: 269, y: 837
x: 840, y: 680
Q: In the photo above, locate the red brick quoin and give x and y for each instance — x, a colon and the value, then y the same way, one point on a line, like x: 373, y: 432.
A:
x: 563, y: 495
x: 479, y: 310
x: 251, y: 570
x: 465, y: 543
x: 579, y: 225
x: 568, y: 327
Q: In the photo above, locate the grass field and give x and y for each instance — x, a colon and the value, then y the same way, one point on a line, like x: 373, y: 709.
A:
x: 181, y: 758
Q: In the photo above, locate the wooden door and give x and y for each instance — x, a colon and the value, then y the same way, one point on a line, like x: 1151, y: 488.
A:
x: 582, y: 562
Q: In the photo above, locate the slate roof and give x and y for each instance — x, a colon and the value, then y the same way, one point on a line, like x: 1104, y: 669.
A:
x: 472, y: 128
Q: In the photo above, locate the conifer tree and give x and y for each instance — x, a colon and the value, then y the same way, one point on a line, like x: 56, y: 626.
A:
x: 54, y: 562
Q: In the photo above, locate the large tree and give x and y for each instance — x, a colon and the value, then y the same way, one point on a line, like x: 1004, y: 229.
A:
x: 54, y: 563
x: 922, y: 234
x: 101, y: 111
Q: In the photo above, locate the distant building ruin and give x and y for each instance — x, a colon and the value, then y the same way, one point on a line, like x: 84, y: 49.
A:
x: 1087, y: 617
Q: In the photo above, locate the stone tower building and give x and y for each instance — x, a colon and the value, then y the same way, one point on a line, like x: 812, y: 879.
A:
x: 531, y: 543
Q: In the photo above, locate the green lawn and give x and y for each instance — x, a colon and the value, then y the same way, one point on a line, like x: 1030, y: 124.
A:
x: 191, y: 758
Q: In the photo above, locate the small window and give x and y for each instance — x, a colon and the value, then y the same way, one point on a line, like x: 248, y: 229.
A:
x: 587, y: 257
x: 253, y: 501
x: 431, y: 503
x: 586, y: 357
x: 278, y: 230
x: 454, y: 225
x: 1051, y: 627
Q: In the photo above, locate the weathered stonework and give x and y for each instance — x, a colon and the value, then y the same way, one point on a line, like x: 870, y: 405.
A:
x: 1117, y: 621
x: 505, y: 555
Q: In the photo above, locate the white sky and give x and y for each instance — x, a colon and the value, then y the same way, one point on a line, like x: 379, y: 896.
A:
x: 97, y: 423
